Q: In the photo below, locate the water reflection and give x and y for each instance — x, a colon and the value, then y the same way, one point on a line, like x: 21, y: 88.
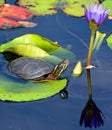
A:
x: 64, y: 94
x: 91, y: 115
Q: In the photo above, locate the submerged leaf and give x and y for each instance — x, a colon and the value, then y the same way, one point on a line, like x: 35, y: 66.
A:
x: 7, y: 12
x: 64, y: 54
x: 98, y: 40
x: 19, y: 92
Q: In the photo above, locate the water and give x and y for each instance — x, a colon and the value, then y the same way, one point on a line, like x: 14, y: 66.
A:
x: 55, y: 113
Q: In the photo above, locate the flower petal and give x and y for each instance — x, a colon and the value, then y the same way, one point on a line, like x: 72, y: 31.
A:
x: 96, y: 12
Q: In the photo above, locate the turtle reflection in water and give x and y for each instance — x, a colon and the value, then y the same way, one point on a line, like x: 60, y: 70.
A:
x: 37, y: 69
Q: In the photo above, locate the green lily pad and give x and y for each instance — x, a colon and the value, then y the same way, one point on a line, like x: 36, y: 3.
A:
x: 28, y: 50
x: 98, y: 40
x: 109, y: 41
x: 74, y: 8
x: 32, y: 39
x: 34, y: 52
x: 30, y: 45
x: 2, y: 2
x: 19, y: 92
x: 70, y: 7
x: 108, y: 5
x: 33, y: 45
x: 39, y: 7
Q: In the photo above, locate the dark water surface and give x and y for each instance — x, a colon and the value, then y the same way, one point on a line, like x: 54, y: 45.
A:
x: 55, y: 113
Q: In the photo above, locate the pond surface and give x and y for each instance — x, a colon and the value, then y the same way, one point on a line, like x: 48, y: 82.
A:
x: 55, y: 113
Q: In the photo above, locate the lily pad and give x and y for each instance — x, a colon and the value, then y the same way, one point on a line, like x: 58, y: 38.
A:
x: 33, y: 45
x: 109, y: 41
x: 108, y: 5
x: 29, y: 51
x: 19, y: 92
x: 43, y: 7
x: 30, y: 45
x: 39, y: 7
x: 7, y: 12
x: 36, y: 40
x: 74, y: 8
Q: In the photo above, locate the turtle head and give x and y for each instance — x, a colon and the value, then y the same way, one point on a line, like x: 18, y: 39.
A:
x: 63, y: 65
x: 57, y: 71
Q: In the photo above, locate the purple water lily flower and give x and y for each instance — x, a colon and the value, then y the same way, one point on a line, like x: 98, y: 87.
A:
x: 96, y: 13
x: 91, y: 115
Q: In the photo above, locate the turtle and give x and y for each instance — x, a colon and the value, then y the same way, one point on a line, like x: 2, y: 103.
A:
x: 37, y: 69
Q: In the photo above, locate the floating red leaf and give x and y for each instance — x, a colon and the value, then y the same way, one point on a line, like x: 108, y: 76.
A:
x: 6, y: 23
x: 14, y: 12
x: 9, y: 15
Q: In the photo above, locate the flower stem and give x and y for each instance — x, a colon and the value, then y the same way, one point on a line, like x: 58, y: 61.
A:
x: 89, y: 62
x: 90, y: 47
x: 89, y: 83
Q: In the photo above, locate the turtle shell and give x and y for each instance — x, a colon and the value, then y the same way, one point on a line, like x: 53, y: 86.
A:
x: 30, y: 68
